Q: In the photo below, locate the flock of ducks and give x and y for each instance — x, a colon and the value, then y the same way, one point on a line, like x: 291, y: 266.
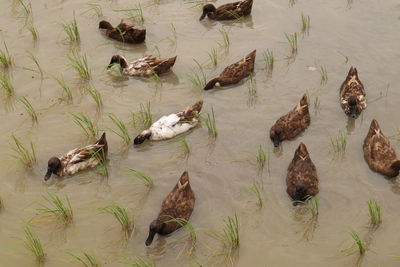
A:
x: 302, y: 179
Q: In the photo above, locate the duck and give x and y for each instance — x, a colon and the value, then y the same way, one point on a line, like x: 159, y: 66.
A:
x: 143, y: 67
x: 78, y: 159
x: 292, y: 124
x: 123, y: 32
x: 378, y: 153
x: 178, y: 204
x: 228, y: 11
x: 302, y: 179
x: 172, y: 125
x: 352, y: 95
x: 234, y: 73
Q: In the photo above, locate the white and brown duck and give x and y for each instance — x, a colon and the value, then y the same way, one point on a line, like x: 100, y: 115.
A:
x: 352, y: 95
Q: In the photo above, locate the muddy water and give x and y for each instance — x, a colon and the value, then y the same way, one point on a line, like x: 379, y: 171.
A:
x: 360, y: 33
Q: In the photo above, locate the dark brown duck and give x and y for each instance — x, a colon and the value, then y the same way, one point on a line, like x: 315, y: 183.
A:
x: 228, y: 11
x: 352, y: 94
x: 178, y: 204
x: 123, y: 32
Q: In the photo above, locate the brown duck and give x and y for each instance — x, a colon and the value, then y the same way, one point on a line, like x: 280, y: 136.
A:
x: 302, y: 178
x: 235, y: 72
x: 292, y: 124
x: 178, y: 204
x: 228, y: 11
x: 378, y: 152
x: 123, y: 32
x: 352, y: 94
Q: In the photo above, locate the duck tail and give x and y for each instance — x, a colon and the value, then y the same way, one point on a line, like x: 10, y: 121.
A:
x: 252, y: 56
x: 211, y: 84
x: 184, y: 180
x: 103, y: 141
x: 301, y: 151
x: 395, y: 166
x: 352, y: 72
x: 169, y: 62
x: 304, y: 100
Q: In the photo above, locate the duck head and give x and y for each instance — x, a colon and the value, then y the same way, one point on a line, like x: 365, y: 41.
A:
x: 155, y: 227
x: 207, y: 9
x: 105, y: 25
x: 275, y: 135
x: 395, y: 166
x: 53, y: 166
x: 142, y: 137
x: 354, y: 110
x: 117, y: 59
x: 301, y: 193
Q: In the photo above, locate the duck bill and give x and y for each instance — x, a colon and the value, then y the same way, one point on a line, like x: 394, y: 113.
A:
x: 203, y: 16
x: 48, y: 175
x: 150, y: 238
x: 353, y: 114
x: 276, y: 141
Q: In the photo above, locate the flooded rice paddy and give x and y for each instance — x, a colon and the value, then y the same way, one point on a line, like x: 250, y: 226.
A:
x: 342, y: 34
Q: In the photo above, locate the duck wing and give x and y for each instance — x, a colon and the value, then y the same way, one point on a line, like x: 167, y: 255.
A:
x: 234, y: 10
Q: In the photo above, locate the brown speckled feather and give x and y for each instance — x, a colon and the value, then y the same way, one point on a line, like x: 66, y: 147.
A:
x: 126, y: 33
x: 190, y: 112
x: 179, y: 203
x: 234, y: 73
x: 232, y: 10
x: 148, y: 65
x: 293, y: 123
x: 302, y: 174
x: 378, y: 152
x: 352, y: 88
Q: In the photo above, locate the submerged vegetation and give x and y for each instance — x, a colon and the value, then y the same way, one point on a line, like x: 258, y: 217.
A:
x: 22, y: 154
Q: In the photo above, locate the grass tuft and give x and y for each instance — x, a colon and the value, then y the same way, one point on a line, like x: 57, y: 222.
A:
x: 358, y: 242
x: 32, y: 29
x: 339, y: 144
x: 66, y: 90
x: 143, y: 118
x: 25, y: 156
x: 292, y: 40
x: 61, y: 210
x: 86, y: 259
x: 34, y: 245
x: 135, y: 14
x: 253, y: 188
x: 252, y: 85
x: 82, y: 120
x: 229, y: 236
x: 261, y: 157
x: 213, y: 56
x: 324, y: 74
x: 96, y: 8
x: 225, y: 38
x: 374, y: 212
x: 96, y: 96
x: 185, y: 147
x: 122, y: 217
x: 210, y: 122
x: 5, y: 83
x: 269, y: 60
x: 72, y: 31
x: 28, y: 108
x: 197, y: 76
x: 123, y: 131
x: 305, y: 22
x: 5, y: 58
x: 149, y: 182
x: 80, y: 65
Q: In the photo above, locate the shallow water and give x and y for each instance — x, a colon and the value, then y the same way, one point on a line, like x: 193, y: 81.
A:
x: 364, y: 32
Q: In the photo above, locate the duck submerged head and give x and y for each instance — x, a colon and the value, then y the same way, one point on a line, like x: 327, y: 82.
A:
x: 53, y: 166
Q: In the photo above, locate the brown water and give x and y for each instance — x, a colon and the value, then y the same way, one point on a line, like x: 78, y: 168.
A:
x: 366, y: 32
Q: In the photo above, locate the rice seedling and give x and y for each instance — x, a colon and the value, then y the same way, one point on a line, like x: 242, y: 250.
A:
x: 317, y: 104
x: 292, y: 40
x: 87, y: 259
x: 229, y: 236
x: 28, y: 108
x: 212, y: 55
x: 210, y: 122
x: 155, y: 78
x: 225, y: 38
x: 292, y: 2
x: 72, y: 31
x: 269, y: 60
x: 32, y: 29
x: 261, y: 157
x: 123, y: 131
x: 59, y: 209
x: 191, y: 232
x: 5, y: 83
x: 312, y: 204
x: 324, y: 74
x: 39, y: 68
x: 26, y: 8
x: 25, y: 156
x: 252, y: 85
x: 305, y: 22
x: 80, y: 65
x: 66, y: 90
x: 374, y: 212
x: 254, y: 189
x: 197, y: 77
x: 122, y: 216
x: 339, y: 144
x: 143, y: 118
x: 148, y: 181
x: 358, y: 242
x: 134, y: 14
x: 5, y: 58
x: 185, y: 147
x: 140, y: 262
x: 89, y: 128
x: 34, y: 245
x: 94, y: 7
x: 96, y: 96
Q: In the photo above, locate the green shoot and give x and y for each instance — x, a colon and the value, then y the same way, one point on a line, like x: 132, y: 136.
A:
x: 5, y: 58
x: 339, y: 144
x: 82, y: 120
x: 358, y: 242
x: 62, y: 211
x: 66, y: 90
x: 96, y: 8
x: 324, y: 74
x: 72, y: 31
x: 374, y: 212
x: 39, y: 68
x: 135, y: 14
x: 143, y: 118
x: 185, y: 147
x: 80, y: 65
x: 140, y: 262
x: 95, y: 94
x: 148, y: 181
x: 210, y: 122
x: 269, y: 60
x: 305, y: 21
x: 5, y: 83
x: 34, y: 245
x: 317, y: 104
x: 253, y: 188
x: 225, y: 38
x: 25, y: 156
x: 252, y: 85
x: 123, y: 131
x: 32, y: 29
x: 261, y: 157
x: 122, y: 217
x: 86, y: 259
x: 197, y: 77
x: 191, y: 231
x: 229, y: 236
x: 213, y: 56
x: 28, y: 107
x: 292, y: 40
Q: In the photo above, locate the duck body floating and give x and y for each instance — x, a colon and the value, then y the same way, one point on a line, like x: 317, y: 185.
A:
x: 123, y: 32
x: 352, y: 95
x: 228, y: 11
